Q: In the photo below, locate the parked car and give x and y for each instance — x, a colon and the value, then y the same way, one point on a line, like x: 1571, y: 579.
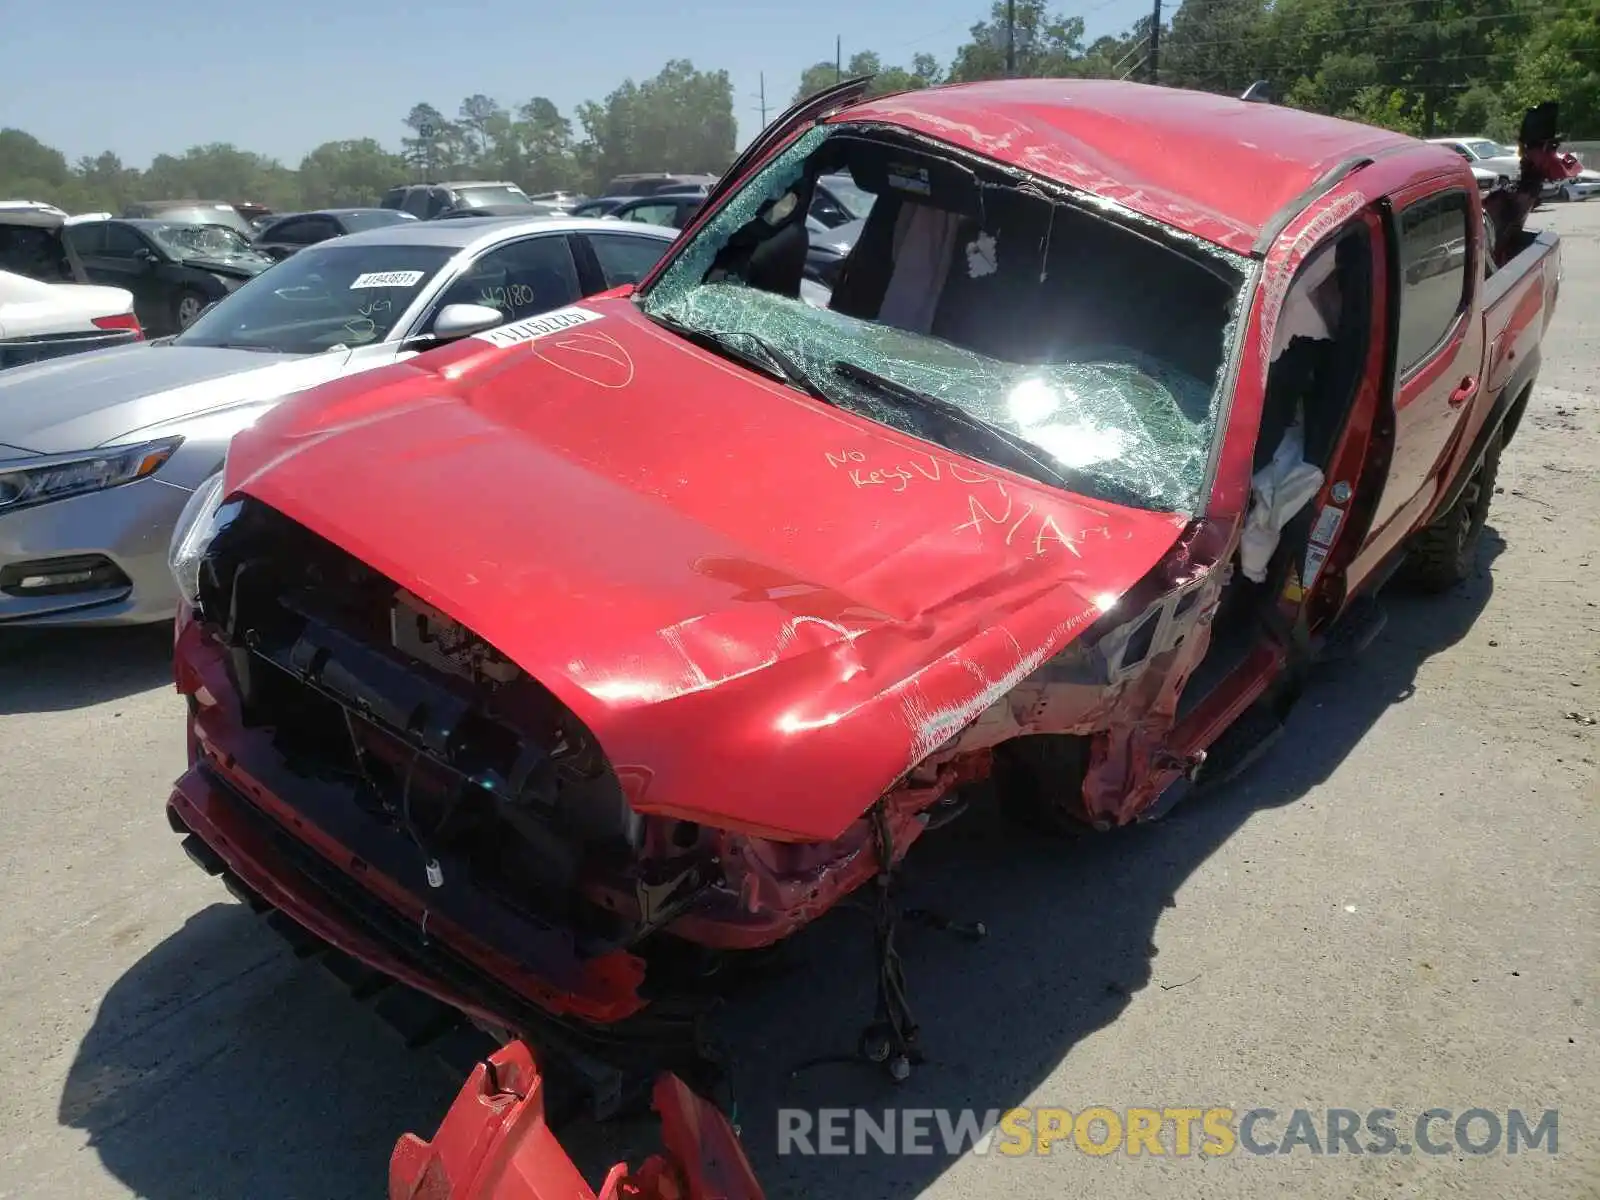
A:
x: 101, y: 452
x: 284, y: 235
x: 1489, y: 180
x: 667, y: 620
x: 31, y: 205
x: 48, y: 307
x: 1484, y: 154
x: 524, y: 211
x: 429, y: 200
x: 671, y: 210
x: 838, y: 201
x: 648, y: 183
x: 827, y: 249
x: 1581, y: 187
x: 174, y: 270
x: 259, y: 215
x: 600, y: 206
x: 835, y: 201
x: 192, y: 212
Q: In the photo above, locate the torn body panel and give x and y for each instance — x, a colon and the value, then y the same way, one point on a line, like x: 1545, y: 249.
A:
x: 495, y: 1144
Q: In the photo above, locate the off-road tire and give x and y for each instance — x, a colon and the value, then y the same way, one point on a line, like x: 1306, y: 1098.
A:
x: 1444, y: 553
x: 1038, y: 783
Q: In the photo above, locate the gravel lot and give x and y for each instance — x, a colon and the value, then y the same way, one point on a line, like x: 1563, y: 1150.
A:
x: 1397, y: 909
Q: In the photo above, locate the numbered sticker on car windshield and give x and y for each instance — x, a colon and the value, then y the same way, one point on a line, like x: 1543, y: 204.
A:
x: 383, y: 279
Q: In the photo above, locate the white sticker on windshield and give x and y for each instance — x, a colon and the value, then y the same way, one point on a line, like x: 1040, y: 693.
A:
x: 376, y: 279
x: 534, y: 328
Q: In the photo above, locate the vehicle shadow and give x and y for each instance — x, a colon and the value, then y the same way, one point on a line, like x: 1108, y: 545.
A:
x: 51, y: 670
x: 222, y: 1066
x: 239, y: 1076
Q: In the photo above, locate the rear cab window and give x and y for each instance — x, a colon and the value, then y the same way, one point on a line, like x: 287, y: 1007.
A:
x: 1434, y: 251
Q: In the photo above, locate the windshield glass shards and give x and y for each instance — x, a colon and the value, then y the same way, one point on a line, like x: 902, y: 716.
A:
x: 1075, y: 345
x: 184, y: 241
x: 325, y: 296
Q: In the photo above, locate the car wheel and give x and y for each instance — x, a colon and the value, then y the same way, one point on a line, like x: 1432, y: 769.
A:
x: 1444, y: 553
x: 1038, y: 782
x: 189, y: 306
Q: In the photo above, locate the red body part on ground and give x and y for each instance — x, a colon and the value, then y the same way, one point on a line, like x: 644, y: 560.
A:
x: 494, y: 1144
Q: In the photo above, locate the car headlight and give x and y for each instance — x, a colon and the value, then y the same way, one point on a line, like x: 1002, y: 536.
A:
x: 39, y: 480
x: 203, y: 517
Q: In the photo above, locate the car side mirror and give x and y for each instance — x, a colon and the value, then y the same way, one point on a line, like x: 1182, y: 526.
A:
x: 147, y: 256
x: 462, y: 320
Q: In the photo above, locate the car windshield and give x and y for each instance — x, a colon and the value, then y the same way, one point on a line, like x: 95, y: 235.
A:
x: 502, y: 193
x: 327, y: 295
x: 374, y: 218
x: 1030, y: 330
x: 201, y: 241
x: 1483, y: 148
x: 205, y: 214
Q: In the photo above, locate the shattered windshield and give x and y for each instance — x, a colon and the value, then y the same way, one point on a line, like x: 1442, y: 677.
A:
x: 1078, y: 347
x: 202, y: 241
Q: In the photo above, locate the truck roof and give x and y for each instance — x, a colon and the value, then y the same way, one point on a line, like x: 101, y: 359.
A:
x: 1212, y: 166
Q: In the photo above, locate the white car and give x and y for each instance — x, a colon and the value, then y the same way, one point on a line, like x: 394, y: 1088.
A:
x: 1485, y: 155
x: 1585, y: 185
x: 99, y: 453
x: 47, y: 307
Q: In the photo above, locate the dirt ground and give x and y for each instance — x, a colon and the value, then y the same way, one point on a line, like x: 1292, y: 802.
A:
x: 1398, y: 909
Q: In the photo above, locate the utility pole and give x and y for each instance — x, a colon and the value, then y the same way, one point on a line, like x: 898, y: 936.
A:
x: 838, y: 59
x: 763, y: 99
x: 1155, y: 43
x: 1011, y: 39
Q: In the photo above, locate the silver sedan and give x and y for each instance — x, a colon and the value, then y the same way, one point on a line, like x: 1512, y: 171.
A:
x: 99, y: 452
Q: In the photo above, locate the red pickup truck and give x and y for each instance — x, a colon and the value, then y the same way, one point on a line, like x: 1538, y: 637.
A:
x: 549, y: 669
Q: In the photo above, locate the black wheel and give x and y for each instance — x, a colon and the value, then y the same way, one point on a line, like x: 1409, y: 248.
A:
x: 187, y: 307
x: 1038, y: 781
x: 1444, y: 553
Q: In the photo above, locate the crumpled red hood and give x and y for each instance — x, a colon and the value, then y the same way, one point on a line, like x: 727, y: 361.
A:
x: 765, y: 609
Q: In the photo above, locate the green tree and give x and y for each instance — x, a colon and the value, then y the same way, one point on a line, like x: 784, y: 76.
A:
x: 544, y: 139
x: 1047, y: 45
x: 923, y: 72
x: 219, y: 171
x: 348, y: 173
x: 429, y: 151
x: 680, y: 120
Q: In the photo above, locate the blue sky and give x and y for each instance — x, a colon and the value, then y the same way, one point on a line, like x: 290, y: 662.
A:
x: 282, y: 77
